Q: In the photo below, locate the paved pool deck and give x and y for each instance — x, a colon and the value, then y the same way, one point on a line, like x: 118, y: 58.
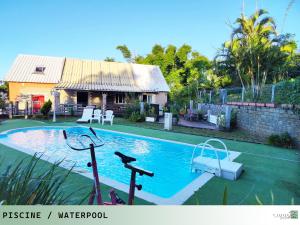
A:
x: 267, y: 168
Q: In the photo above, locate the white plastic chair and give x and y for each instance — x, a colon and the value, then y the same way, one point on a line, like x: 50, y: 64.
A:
x: 86, y: 116
x: 97, y: 116
x: 108, y: 117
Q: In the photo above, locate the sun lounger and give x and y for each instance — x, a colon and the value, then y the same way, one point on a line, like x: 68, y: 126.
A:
x: 86, y: 115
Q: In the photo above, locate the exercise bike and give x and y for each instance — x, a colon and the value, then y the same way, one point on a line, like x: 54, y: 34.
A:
x: 96, y: 191
x: 134, y: 170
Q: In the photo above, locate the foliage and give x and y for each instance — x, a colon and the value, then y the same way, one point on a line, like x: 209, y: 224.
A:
x: 125, y: 52
x: 25, y: 184
x: 256, y: 54
x: 46, y: 108
x: 109, y: 59
x: 131, y: 108
x: 4, y: 87
x: 2, y: 104
x: 260, y: 202
x: 137, y: 117
x: 288, y: 92
x: 283, y: 140
x: 233, y: 119
x: 221, y: 121
x: 185, y: 70
x: 225, y: 196
x: 151, y: 112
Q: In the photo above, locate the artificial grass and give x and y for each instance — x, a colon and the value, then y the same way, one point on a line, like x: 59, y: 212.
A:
x: 267, y: 169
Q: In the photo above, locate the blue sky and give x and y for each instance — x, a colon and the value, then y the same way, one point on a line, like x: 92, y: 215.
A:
x: 93, y: 28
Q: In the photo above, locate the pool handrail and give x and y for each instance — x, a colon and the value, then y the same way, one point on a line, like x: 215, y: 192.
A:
x: 205, y: 145
x: 222, y: 143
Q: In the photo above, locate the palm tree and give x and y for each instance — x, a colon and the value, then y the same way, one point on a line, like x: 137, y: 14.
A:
x: 250, y: 41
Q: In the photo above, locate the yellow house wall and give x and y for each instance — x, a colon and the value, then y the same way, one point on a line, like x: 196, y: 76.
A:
x: 68, y: 97
x: 17, y: 89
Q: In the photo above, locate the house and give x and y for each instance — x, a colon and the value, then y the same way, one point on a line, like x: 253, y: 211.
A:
x: 108, y: 85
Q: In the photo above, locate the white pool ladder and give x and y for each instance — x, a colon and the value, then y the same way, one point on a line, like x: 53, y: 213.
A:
x: 206, y: 145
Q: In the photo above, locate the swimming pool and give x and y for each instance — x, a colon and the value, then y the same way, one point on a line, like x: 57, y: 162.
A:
x: 172, y: 183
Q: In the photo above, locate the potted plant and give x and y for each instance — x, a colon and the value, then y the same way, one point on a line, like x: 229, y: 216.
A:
x: 221, y: 122
x: 151, y: 115
x: 182, y: 111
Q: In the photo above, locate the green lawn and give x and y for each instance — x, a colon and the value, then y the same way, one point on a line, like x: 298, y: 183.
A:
x: 267, y: 168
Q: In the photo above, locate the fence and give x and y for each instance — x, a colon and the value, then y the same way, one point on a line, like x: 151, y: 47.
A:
x: 288, y: 93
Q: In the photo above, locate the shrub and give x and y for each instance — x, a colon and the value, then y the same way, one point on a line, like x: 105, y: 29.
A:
x: 46, y: 108
x: 137, y: 117
x: 25, y: 184
x: 200, y: 115
x: 233, y: 119
x: 221, y: 121
x: 131, y: 108
x: 2, y: 104
x: 151, y: 112
x: 283, y: 140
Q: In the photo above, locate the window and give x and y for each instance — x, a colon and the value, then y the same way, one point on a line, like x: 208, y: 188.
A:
x: 147, y: 98
x: 120, y: 98
x: 39, y: 69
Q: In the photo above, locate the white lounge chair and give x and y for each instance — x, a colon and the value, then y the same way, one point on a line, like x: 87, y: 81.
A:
x: 86, y: 116
x: 224, y: 168
x: 97, y: 116
x: 109, y: 117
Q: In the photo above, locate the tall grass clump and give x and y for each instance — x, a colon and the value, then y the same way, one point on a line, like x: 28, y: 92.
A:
x: 27, y: 184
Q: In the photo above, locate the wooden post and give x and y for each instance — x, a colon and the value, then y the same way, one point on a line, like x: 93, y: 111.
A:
x: 210, y: 96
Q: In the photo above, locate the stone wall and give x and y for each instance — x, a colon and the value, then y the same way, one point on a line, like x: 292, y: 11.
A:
x: 263, y: 121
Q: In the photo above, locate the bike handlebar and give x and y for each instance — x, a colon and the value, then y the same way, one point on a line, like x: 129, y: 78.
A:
x: 127, y: 159
x: 139, y: 170
x: 87, y: 136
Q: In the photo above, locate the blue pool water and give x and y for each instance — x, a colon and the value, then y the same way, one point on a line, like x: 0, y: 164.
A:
x: 169, y: 161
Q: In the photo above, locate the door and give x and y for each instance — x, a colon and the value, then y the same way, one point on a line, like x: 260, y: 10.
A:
x: 82, y: 98
x: 37, y: 102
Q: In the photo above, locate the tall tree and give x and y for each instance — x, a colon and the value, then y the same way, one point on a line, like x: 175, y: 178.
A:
x: 256, y: 54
